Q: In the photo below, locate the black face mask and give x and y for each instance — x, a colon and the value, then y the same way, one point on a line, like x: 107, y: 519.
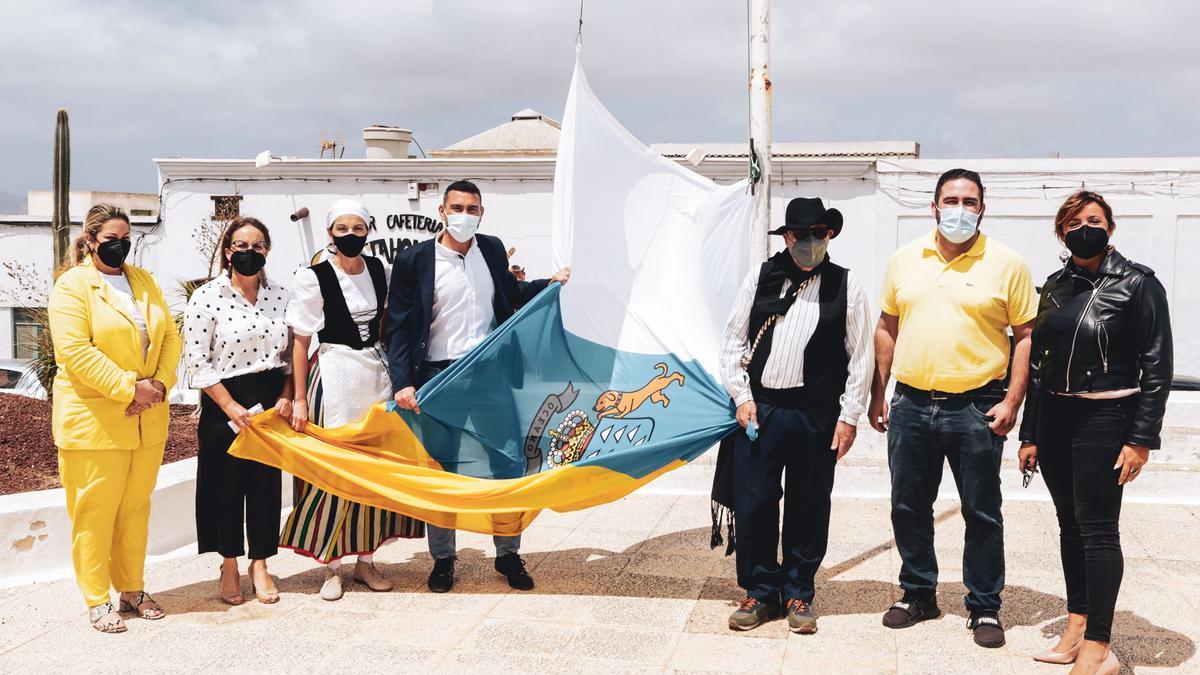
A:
x: 350, y: 245
x: 248, y: 263
x: 1087, y: 242
x: 114, y: 251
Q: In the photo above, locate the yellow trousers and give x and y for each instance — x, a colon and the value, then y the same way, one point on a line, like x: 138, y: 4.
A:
x: 108, y: 500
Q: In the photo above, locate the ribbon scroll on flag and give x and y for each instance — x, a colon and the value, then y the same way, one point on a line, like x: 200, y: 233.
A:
x: 592, y: 389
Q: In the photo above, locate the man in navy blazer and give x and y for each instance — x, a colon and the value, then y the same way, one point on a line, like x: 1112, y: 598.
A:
x: 446, y: 295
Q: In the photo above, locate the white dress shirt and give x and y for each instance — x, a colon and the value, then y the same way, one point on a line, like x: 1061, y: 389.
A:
x: 784, y: 367
x: 306, y: 310
x: 462, y: 302
x: 119, y: 283
x: 225, y: 336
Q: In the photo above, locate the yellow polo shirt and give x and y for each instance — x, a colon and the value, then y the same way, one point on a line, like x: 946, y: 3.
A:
x: 954, y: 316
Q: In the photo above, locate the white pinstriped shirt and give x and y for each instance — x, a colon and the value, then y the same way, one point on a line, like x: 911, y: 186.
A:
x: 784, y: 368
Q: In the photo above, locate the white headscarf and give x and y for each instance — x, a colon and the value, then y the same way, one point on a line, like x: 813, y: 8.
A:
x: 347, y: 207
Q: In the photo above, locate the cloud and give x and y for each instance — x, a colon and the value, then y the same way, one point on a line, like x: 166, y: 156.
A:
x: 144, y: 78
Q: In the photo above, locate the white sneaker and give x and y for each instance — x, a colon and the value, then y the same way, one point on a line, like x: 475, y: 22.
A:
x: 332, y: 588
x: 367, y: 574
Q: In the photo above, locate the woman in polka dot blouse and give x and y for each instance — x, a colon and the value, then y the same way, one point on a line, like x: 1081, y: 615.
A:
x: 237, y: 351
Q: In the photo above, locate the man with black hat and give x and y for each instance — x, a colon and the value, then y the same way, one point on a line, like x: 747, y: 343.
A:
x: 797, y: 361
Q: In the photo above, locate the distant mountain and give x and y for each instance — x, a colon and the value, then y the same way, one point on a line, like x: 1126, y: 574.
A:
x: 11, y: 204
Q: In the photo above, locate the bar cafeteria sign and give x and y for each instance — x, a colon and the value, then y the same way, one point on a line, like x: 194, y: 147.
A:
x: 413, y: 227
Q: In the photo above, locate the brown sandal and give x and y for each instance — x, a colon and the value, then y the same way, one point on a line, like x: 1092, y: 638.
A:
x: 151, y: 613
x: 97, y: 615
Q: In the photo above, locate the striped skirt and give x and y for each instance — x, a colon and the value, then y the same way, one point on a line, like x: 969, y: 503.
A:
x: 322, y: 525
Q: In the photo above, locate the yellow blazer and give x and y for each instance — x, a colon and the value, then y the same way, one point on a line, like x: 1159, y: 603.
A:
x: 98, y: 349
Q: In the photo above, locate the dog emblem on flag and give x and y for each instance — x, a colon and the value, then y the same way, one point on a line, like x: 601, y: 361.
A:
x: 577, y: 436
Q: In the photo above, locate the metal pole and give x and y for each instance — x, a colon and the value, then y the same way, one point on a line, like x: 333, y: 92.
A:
x: 760, y: 127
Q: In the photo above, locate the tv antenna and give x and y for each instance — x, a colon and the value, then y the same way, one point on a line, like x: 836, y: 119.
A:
x: 334, y: 143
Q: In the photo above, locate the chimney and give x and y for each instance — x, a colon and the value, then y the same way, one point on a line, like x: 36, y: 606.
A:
x: 386, y: 142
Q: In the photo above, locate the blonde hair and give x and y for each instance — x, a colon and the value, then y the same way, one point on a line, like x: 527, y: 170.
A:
x: 96, y: 217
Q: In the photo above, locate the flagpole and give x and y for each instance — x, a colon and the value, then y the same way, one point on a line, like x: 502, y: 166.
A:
x: 760, y: 126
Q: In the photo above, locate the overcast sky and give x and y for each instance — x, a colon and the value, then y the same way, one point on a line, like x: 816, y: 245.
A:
x: 230, y: 78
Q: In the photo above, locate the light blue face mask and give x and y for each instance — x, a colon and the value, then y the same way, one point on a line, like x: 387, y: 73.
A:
x: 957, y: 224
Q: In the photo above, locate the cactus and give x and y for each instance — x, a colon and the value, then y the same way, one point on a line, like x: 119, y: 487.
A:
x: 61, y: 223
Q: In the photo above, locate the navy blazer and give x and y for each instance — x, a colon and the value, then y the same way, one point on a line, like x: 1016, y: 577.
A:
x: 410, y: 302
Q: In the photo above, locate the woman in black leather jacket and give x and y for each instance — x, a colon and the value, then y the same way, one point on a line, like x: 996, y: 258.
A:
x: 1100, y: 371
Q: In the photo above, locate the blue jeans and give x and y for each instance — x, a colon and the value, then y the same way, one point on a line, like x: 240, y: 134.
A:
x: 922, y: 435
x: 442, y: 546
x: 441, y: 540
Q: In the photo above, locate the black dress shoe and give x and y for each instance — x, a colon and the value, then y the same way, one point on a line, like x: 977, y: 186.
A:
x: 988, y: 631
x: 441, y: 579
x: 513, y: 569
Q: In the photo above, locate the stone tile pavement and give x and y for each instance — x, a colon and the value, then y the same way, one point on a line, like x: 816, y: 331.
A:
x: 628, y: 587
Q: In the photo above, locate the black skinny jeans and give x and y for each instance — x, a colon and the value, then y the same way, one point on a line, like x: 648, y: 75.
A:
x: 1079, y: 441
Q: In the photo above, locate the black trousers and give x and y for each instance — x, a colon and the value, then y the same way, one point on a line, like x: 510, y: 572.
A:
x: 1079, y: 441
x: 232, y: 492
x: 788, y: 438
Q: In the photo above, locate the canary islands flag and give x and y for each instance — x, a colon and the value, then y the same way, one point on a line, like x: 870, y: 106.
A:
x: 591, y: 390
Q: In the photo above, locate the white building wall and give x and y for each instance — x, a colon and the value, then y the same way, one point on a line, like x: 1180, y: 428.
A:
x: 885, y: 204
x: 517, y: 211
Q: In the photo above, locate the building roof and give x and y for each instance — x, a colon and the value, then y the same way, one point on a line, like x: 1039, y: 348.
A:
x: 529, y: 134
x: 532, y: 134
x: 45, y: 221
x: 900, y: 149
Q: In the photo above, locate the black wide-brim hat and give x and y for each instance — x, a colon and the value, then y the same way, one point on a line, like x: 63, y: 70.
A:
x: 803, y: 212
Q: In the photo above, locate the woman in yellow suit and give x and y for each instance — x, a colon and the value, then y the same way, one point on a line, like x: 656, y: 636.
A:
x: 117, y: 348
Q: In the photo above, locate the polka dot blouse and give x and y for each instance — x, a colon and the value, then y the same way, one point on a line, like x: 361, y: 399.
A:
x: 225, y: 336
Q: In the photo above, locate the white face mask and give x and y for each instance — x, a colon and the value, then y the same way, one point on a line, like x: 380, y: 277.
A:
x: 957, y: 224
x: 462, y: 226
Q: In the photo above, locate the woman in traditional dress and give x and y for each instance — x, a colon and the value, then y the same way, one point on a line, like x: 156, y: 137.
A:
x: 341, y: 300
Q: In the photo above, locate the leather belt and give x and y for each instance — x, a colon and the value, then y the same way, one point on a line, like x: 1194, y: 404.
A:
x: 993, y: 388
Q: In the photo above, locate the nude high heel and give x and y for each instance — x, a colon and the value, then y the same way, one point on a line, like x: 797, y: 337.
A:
x: 1061, y: 658
x: 1110, y: 666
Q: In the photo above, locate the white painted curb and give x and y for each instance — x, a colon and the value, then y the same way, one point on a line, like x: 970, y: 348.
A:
x: 35, y: 532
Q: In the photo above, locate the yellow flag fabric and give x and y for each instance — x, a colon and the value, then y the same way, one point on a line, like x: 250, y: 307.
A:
x: 379, y: 462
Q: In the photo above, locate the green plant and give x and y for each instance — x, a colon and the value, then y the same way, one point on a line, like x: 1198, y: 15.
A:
x: 43, y: 364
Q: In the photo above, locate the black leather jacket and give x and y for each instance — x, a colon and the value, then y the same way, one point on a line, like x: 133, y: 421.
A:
x: 1103, y: 332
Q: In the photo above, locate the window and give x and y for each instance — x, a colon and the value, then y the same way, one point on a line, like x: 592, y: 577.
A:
x: 27, y: 331
x: 226, y: 207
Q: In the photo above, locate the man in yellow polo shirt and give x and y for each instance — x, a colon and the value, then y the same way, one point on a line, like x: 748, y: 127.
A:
x: 948, y: 301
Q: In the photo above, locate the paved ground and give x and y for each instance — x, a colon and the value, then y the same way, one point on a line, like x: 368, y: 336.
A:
x: 628, y: 587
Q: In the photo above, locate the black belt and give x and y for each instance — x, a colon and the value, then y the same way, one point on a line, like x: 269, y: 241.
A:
x: 993, y: 388
x: 795, y: 397
x: 440, y: 365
